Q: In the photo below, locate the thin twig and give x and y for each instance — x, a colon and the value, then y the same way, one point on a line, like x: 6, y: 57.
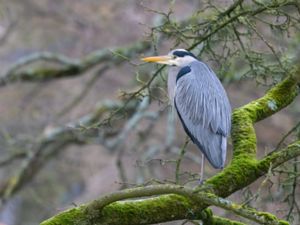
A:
x: 84, y: 92
x: 286, y: 136
x: 178, y: 162
x: 291, y: 198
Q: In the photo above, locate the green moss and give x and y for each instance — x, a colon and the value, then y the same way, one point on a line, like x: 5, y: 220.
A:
x: 271, y: 219
x: 241, y: 171
x: 74, y: 216
x: 280, y: 96
x: 222, y: 221
x: 267, y: 216
x: 283, y: 222
x: 207, y: 216
x: 243, y: 134
x: 276, y: 158
x: 165, y: 208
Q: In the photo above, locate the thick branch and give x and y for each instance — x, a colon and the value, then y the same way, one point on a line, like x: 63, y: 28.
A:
x: 95, y: 212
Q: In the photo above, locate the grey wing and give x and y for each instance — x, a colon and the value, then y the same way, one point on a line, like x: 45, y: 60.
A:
x: 204, y: 109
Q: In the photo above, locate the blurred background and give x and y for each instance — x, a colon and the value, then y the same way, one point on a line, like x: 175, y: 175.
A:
x: 51, y: 159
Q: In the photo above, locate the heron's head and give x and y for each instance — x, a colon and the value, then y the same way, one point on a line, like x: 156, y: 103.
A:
x: 176, y: 57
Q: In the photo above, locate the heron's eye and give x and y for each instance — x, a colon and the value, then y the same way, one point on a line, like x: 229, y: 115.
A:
x: 174, y: 57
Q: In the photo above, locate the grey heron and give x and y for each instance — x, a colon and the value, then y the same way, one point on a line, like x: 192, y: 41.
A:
x: 201, y: 103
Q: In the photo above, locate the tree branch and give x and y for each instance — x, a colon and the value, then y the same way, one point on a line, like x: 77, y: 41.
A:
x: 216, y: 220
x: 94, y: 212
x: 276, y: 158
x: 53, y: 141
x: 69, y: 67
x: 242, y: 13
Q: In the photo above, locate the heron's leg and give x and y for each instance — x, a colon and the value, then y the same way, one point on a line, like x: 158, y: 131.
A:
x: 202, y: 169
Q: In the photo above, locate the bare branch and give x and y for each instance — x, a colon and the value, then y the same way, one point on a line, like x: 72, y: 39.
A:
x: 56, y: 140
x: 69, y: 67
x: 286, y: 135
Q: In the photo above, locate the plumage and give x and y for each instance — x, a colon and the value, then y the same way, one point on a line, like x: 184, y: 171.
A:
x: 203, y: 107
x: 200, y: 101
x: 182, y: 72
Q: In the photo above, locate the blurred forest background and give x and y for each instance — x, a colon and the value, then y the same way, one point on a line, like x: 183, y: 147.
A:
x: 51, y: 158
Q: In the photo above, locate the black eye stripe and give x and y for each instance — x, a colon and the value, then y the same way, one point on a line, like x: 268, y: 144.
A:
x: 183, y: 53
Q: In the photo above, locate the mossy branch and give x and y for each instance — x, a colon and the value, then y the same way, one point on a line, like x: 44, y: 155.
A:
x: 95, y: 212
x: 216, y: 220
x: 276, y: 158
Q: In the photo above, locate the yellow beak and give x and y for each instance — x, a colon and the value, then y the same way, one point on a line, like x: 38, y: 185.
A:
x: 164, y: 59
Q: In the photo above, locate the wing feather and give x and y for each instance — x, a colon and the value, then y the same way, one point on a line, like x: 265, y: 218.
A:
x: 204, y: 109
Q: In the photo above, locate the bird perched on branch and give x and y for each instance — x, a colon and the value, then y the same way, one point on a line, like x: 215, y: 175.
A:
x: 201, y: 103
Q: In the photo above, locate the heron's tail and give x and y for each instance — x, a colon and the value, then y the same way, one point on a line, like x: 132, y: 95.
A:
x: 214, y: 147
